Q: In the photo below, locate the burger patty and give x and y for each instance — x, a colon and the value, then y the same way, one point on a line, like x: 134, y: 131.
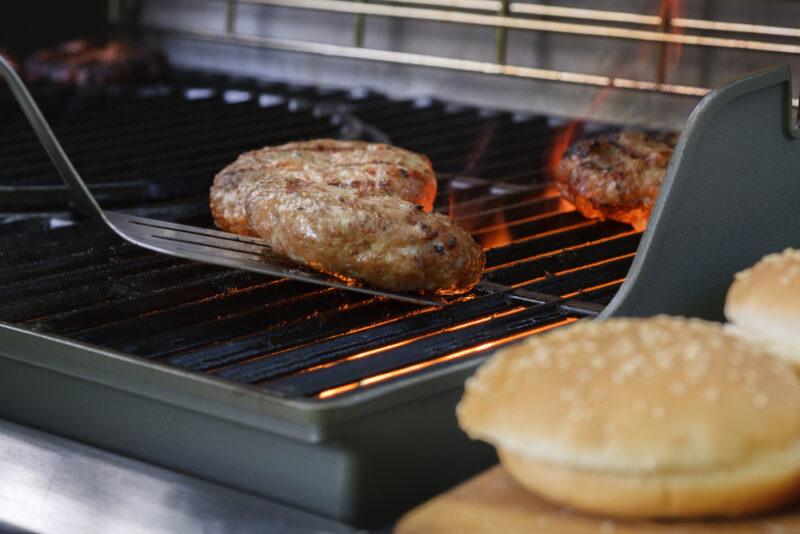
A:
x: 366, y: 167
x: 616, y: 176
x: 82, y: 63
x: 355, y: 233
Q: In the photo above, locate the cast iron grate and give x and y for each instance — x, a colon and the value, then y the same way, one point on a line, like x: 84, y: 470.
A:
x: 154, y: 150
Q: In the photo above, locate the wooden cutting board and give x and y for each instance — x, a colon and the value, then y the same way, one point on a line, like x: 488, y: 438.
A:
x: 492, y: 503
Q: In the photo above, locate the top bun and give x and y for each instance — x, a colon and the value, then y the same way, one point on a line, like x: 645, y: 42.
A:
x: 764, y: 303
x: 709, y: 419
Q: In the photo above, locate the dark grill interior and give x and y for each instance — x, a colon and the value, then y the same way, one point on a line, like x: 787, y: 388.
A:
x: 153, y: 151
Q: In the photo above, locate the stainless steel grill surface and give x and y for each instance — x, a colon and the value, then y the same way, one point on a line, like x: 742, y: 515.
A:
x: 153, y: 152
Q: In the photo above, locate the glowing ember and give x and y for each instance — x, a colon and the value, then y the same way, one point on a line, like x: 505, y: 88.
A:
x: 333, y: 392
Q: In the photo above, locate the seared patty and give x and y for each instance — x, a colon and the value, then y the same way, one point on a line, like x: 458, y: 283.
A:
x: 616, y: 176
x: 366, y: 167
x: 351, y: 233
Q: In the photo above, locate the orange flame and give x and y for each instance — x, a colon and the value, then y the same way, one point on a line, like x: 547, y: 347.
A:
x: 561, y: 143
x: 489, y: 231
x: 566, y: 136
x: 498, y: 233
x: 668, y: 10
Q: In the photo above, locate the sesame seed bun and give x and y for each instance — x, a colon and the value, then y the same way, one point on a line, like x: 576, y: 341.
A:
x: 763, y: 304
x: 660, y: 417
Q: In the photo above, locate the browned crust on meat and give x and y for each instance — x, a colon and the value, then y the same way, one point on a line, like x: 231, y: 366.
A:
x: 366, y: 167
x: 382, y: 240
x: 617, y: 176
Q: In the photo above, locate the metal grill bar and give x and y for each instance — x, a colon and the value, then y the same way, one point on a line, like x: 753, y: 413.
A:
x: 343, y: 6
x: 425, y: 60
x: 662, y: 29
x: 737, y: 27
x: 308, y: 384
x: 260, y: 367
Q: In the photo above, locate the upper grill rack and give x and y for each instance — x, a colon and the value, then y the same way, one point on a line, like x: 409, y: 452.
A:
x: 546, y: 265
x: 660, y: 23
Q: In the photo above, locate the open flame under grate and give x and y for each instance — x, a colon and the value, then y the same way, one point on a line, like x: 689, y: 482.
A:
x: 155, y: 153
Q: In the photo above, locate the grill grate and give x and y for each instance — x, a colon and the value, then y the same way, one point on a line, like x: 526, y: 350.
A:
x: 154, y: 151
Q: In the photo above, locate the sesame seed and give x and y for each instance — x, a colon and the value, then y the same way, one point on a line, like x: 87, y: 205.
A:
x: 599, y: 394
x: 606, y: 527
x: 733, y: 376
x: 693, y: 352
x: 597, y: 362
x: 760, y: 400
x: 678, y: 389
x: 578, y: 414
x: 664, y: 363
x: 711, y: 394
x: 657, y: 412
x: 639, y: 405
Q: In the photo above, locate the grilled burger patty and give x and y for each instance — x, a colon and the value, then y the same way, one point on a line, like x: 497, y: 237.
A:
x: 353, y: 233
x: 366, y: 167
x: 616, y: 176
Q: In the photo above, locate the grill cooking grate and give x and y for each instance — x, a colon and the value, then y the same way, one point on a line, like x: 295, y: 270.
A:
x: 153, y: 152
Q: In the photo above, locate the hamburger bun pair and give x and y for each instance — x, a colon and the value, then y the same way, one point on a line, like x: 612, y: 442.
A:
x: 662, y: 417
x: 763, y: 304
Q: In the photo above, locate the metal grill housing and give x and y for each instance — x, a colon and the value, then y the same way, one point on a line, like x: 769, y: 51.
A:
x: 286, y: 338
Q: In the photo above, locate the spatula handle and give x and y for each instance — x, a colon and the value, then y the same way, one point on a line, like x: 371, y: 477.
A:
x: 80, y: 193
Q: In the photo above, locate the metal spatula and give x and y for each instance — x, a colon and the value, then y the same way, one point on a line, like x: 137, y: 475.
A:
x: 190, y: 242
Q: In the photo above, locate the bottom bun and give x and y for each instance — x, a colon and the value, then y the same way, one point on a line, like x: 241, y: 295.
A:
x: 765, y: 483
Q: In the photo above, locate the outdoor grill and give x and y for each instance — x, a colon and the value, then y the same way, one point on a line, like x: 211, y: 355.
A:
x: 329, y: 400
